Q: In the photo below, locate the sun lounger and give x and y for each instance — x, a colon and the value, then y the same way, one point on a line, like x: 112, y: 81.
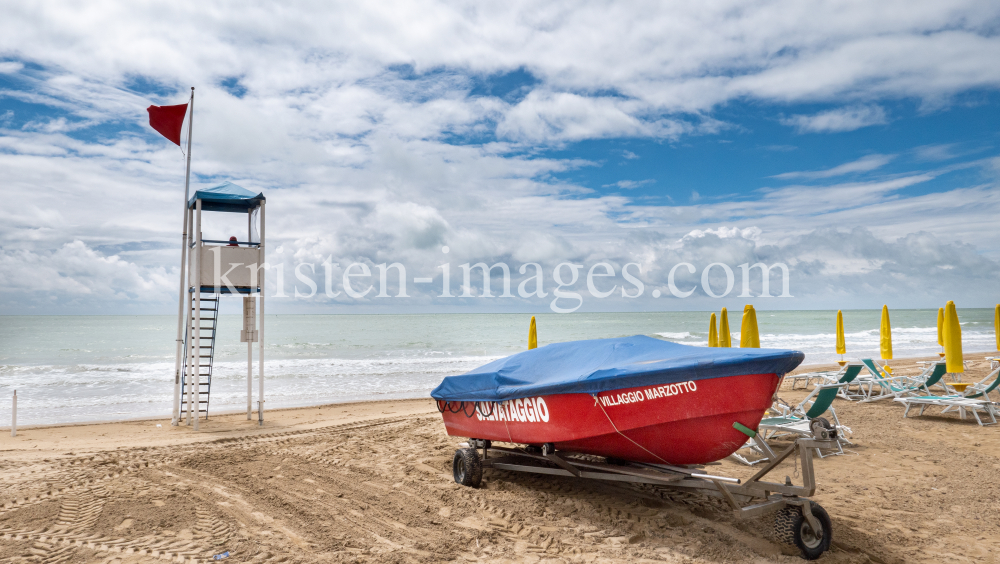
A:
x: 826, y: 376
x: 849, y: 375
x: 952, y: 402
x: 799, y: 421
x: 807, y: 377
x: 866, y: 382
x: 809, y: 405
x: 975, y: 400
x: 984, y: 387
x: 931, y: 376
x: 898, y: 386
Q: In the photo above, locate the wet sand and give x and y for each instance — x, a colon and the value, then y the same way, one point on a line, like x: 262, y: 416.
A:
x: 371, y: 482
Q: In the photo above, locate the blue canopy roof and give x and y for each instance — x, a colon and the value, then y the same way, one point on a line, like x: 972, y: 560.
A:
x: 226, y: 197
x: 601, y: 365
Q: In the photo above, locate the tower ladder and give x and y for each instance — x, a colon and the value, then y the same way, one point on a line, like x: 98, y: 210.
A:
x: 204, y: 354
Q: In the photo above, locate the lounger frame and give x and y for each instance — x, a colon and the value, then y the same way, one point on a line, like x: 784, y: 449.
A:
x: 975, y: 399
x: 959, y: 403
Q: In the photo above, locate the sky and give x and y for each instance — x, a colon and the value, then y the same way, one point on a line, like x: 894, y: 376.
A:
x: 855, y: 143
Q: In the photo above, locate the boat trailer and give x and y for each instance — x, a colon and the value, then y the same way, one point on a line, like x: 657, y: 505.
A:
x: 799, y: 521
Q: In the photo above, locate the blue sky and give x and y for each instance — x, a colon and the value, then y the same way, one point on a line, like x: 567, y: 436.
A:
x: 735, y: 163
x: 857, y: 144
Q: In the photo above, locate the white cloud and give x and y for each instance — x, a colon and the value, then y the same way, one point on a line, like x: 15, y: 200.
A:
x: 630, y: 184
x: 723, y: 232
x: 74, y: 271
x: 843, y: 119
x: 545, y: 116
x: 58, y: 125
x: 603, y: 70
x: 938, y: 152
x: 10, y: 67
x: 864, y: 164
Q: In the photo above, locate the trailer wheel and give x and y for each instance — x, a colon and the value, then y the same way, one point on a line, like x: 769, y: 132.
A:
x: 467, y: 468
x: 792, y: 528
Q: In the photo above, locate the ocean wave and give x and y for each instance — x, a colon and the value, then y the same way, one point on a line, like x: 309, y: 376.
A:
x: 676, y: 336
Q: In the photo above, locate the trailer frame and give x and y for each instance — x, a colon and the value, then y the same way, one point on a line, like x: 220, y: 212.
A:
x: 751, y: 498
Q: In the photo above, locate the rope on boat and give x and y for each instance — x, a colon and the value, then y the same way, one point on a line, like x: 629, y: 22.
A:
x: 615, y: 427
x: 490, y: 414
x: 461, y: 407
x: 468, y: 415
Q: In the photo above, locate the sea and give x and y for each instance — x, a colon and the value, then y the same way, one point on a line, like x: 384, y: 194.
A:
x: 72, y: 369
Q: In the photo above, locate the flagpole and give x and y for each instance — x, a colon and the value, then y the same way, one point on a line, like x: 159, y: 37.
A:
x: 184, y: 250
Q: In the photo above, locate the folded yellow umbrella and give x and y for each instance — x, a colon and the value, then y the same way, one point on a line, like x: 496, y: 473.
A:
x: 841, y: 344
x: 952, y: 340
x: 713, y: 337
x: 885, y: 338
x: 749, y: 338
x: 996, y: 323
x: 532, y: 335
x: 940, y: 324
x: 726, y: 340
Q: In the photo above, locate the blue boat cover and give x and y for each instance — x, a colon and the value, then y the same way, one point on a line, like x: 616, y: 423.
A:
x: 226, y: 197
x: 589, y: 367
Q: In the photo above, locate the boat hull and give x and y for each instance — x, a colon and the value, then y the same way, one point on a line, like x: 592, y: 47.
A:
x: 682, y: 423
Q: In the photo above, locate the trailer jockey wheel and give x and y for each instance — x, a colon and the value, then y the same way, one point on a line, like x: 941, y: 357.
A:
x: 792, y: 527
x: 467, y: 468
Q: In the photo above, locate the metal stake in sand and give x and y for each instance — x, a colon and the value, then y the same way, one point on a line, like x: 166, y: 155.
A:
x: 13, y: 416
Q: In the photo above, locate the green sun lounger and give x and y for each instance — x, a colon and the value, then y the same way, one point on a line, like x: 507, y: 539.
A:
x: 898, y: 386
x: 797, y: 420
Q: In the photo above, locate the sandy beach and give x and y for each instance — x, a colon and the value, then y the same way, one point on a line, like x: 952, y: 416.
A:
x: 371, y: 482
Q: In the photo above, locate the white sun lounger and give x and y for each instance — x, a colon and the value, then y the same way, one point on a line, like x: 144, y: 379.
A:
x: 898, y: 386
x: 823, y: 377
x: 976, y: 399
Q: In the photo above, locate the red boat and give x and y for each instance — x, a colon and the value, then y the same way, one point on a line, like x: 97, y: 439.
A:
x: 635, y: 398
x: 688, y: 422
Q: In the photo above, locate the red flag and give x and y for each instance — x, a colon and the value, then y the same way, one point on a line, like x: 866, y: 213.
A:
x: 168, y: 120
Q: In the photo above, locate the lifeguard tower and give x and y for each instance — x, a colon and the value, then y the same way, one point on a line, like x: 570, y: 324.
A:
x: 212, y: 269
